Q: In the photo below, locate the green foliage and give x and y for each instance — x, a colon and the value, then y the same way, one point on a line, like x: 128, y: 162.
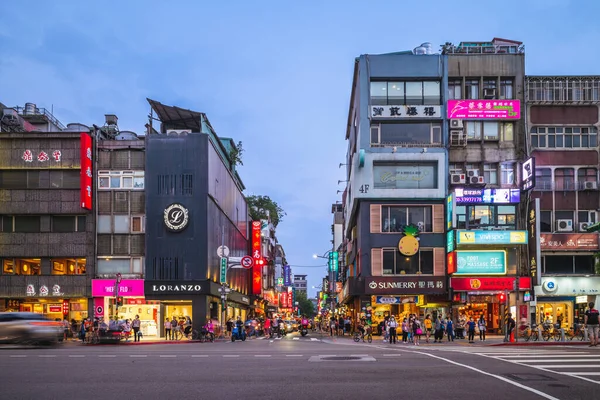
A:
x: 258, y: 203
x: 306, y: 306
x: 236, y: 154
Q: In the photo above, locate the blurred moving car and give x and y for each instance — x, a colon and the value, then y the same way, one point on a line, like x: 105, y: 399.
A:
x: 291, y: 326
x: 29, y: 328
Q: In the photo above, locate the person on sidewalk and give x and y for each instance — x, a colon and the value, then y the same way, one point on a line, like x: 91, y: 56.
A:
x: 482, y: 327
x: 428, y: 327
x: 404, y: 331
x: 168, y: 329
x: 590, y: 321
x: 510, y: 327
x: 439, y: 330
x: 450, y: 329
x: 471, y: 330
x: 417, y: 331
x: 393, y: 326
x: 126, y: 330
x: 136, y: 328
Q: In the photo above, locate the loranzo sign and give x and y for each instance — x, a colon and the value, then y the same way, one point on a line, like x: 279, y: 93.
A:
x: 176, y: 217
x: 176, y: 288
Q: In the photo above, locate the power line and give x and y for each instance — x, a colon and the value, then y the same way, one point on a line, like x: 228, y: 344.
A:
x: 309, y: 266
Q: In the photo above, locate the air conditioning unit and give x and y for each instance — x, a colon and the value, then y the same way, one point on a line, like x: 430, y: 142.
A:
x: 456, y: 124
x: 564, y: 225
x: 175, y: 132
x: 489, y: 93
x: 472, y: 172
x: 590, y: 185
x: 583, y: 226
x: 457, y: 179
x: 476, y: 180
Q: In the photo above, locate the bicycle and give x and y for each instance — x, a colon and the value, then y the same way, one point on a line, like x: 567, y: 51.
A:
x: 207, y: 337
x: 534, y: 334
x: 358, y: 336
x: 575, y: 333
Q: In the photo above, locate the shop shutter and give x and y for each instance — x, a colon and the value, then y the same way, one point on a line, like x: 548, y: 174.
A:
x: 439, y: 261
x: 121, y: 244
x: 137, y: 244
x: 138, y: 202
x: 121, y: 202
x: 376, y: 262
x: 104, y: 248
x: 375, y: 218
x: 438, y: 218
x: 104, y: 202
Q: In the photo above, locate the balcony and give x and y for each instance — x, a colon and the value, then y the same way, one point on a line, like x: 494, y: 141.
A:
x: 563, y: 90
x: 565, y: 186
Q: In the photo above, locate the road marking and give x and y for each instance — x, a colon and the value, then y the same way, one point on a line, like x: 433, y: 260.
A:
x: 295, y: 338
x: 167, y: 356
x: 106, y: 355
x: 565, y: 366
x: 293, y: 355
x: 76, y: 356
x: 516, y: 357
x: 392, y: 355
x: 271, y: 341
x: 546, y: 360
x: 277, y: 338
x: 529, y: 389
x: 314, y: 339
x: 262, y: 355
x: 582, y: 373
x: 138, y: 355
x: 18, y: 356
x: 47, y: 356
x: 230, y: 355
x: 199, y: 355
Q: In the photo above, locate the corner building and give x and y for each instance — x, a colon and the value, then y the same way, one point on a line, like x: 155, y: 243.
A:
x: 194, y: 203
x: 394, y: 199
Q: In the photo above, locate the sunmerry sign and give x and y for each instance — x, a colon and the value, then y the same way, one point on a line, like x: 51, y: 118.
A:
x: 412, y: 285
x: 474, y: 262
x: 491, y: 237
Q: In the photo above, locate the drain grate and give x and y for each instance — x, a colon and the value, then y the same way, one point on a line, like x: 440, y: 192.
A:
x: 340, y: 358
x: 530, y: 377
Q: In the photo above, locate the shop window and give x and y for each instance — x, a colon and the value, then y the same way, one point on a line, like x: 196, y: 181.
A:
x: 68, y: 266
x: 395, y: 218
x: 27, y: 224
x: 546, y: 221
x: 558, y: 264
x: 584, y: 264
x: 395, y: 263
x: 114, y: 265
x: 22, y: 266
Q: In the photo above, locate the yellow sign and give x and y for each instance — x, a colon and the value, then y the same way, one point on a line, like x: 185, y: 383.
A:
x: 409, y: 244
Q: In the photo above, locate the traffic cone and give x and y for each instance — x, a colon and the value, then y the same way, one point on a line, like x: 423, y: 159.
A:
x: 512, y: 336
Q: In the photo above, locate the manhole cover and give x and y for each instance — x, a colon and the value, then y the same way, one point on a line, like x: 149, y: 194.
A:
x: 340, y: 358
x: 529, y: 377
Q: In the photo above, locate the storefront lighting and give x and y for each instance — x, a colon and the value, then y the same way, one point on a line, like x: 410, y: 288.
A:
x: 25, y: 268
x: 71, y: 267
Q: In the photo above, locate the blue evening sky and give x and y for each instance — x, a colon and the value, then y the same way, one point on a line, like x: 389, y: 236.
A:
x: 274, y: 74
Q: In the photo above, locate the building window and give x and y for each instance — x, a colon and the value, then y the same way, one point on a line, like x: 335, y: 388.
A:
x: 405, y: 175
x: 489, y: 130
x: 455, y: 168
x: 564, y: 178
x: 22, y: 266
x: 506, y: 131
x: 454, y: 89
x: 546, y: 221
x: 490, y: 216
x: 406, y: 93
x: 506, y: 88
x: 133, y: 180
x: 27, y: 224
x: 561, y: 137
x: 472, y: 89
x: 489, y: 88
x: 543, y: 179
x: 585, y: 175
x: 395, y: 263
x: 137, y: 224
x: 68, y: 266
x: 569, y: 264
x: 395, y: 218
x: 114, y: 265
x: 29, y: 179
x: 409, y: 133
x: 490, y: 173
x: 68, y: 223
x: 507, y: 174
x: 587, y: 216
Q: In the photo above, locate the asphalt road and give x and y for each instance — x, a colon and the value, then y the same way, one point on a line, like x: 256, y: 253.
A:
x: 296, y: 367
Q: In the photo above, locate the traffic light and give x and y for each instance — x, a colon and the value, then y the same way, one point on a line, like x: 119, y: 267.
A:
x: 119, y: 301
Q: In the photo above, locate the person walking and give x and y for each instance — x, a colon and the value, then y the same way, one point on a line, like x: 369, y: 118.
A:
x: 439, y: 330
x: 136, y: 328
x: 509, y: 327
x: 168, y: 329
x: 393, y: 325
x: 428, y: 327
x: 450, y: 329
x: 590, y: 321
x: 482, y: 327
x: 417, y: 331
x: 471, y: 330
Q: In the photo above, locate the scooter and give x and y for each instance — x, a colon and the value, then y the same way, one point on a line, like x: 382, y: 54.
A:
x: 304, y: 330
x: 237, y: 333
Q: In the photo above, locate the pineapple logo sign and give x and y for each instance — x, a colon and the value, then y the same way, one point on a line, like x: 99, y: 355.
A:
x: 409, y: 244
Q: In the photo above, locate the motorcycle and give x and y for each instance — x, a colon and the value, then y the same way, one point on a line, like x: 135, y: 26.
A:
x: 238, y: 333
x: 304, y: 330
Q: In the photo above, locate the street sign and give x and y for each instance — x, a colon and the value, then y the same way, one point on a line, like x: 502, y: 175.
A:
x: 279, y: 281
x: 223, y: 269
x: 247, y: 262
x: 223, y: 251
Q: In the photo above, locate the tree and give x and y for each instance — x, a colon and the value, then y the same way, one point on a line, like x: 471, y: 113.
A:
x: 258, y: 209
x: 306, y: 306
x: 236, y: 154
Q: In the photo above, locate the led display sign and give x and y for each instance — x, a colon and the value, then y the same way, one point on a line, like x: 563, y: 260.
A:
x: 487, y: 196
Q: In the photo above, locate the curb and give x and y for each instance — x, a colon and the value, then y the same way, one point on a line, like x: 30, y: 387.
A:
x: 150, y: 343
x: 542, y: 344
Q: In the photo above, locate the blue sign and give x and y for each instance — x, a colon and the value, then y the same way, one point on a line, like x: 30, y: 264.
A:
x: 491, y: 237
x: 449, y: 241
x: 396, y: 299
x: 487, y: 196
x: 477, y: 262
x: 287, y: 275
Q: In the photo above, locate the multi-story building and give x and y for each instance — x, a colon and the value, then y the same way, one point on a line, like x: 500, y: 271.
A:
x: 562, y: 122
x: 120, y: 227
x: 300, y: 283
x: 487, y: 145
x: 47, y: 227
x: 194, y: 205
x: 396, y: 172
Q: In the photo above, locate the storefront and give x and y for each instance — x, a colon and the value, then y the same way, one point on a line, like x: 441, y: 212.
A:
x: 564, y: 299
x: 477, y: 296
x: 404, y: 295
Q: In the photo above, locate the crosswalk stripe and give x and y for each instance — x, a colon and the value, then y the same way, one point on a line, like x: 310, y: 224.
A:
x: 296, y: 338
x: 543, y: 360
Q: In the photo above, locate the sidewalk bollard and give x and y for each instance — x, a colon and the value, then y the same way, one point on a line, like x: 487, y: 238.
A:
x: 539, y: 329
x: 585, y: 335
x: 562, y: 335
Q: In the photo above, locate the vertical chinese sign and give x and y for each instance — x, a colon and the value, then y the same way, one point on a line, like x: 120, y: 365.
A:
x: 257, y: 256
x: 533, y: 230
x: 86, y: 171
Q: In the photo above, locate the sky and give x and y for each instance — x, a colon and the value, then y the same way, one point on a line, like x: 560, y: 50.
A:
x: 275, y: 75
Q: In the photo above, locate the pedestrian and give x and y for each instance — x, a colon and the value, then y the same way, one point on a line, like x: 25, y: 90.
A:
x: 136, y: 328
x: 126, y: 329
x: 393, y: 325
x: 416, y: 330
x: 590, y: 321
x: 471, y: 330
x: 347, y: 325
x: 482, y: 327
x: 341, y: 324
x: 385, y: 330
x: 450, y: 329
x: 168, y: 329
x: 404, y: 330
x: 509, y: 327
x: 66, y: 328
x: 428, y: 327
x: 229, y: 325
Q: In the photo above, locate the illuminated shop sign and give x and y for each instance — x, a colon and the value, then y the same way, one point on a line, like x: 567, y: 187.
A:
x: 487, y: 196
x: 405, y: 285
x: 86, y: 171
x: 491, y: 237
x: 477, y: 262
x: 484, y: 109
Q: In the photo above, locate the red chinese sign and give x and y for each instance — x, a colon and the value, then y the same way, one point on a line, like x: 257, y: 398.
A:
x: 568, y: 241
x: 285, y: 300
x: 483, y: 284
x: 42, y: 156
x: 86, y: 171
x: 257, y: 256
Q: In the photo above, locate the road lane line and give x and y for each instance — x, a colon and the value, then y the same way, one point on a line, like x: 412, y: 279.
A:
x: 557, y: 360
x: 262, y: 355
x: 167, y: 356
x: 529, y: 389
x: 295, y: 338
x: 293, y: 355
x: 18, y: 356
x: 138, y: 355
x: 106, y: 355
x: 199, y: 355
x: 566, y: 366
x: 76, y: 356
x: 392, y: 355
x: 47, y: 356
x: 516, y: 358
x: 230, y: 355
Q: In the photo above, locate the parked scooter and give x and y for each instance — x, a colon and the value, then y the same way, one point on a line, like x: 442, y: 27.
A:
x: 238, y: 333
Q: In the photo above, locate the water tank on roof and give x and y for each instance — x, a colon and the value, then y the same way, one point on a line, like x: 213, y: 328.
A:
x: 420, y: 51
x: 127, y: 135
x: 77, y: 127
x: 30, y: 109
x: 427, y: 47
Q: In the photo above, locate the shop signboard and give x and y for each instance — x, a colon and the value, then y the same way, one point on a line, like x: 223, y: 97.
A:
x: 484, y: 109
x: 412, y: 285
x: 491, y: 237
x: 568, y: 241
x: 450, y: 241
x: 488, y: 284
x: 487, y: 196
x: 406, y: 112
x: 86, y: 171
x: 127, y: 287
x: 396, y: 299
x: 533, y: 233
x: 258, y: 258
x: 568, y: 286
x: 287, y: 275
x: 480, y: 262
x: 174, y: 289
x: 450, y: 212
x: 55, y: 308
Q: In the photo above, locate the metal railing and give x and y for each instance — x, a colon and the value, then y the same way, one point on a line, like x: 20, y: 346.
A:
x: 490, y: 49
x: 43, y: 112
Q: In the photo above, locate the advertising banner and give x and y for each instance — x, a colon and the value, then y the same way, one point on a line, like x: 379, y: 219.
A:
x: 484, y: 109
x: 484, y: 284
x: 569, y: 241
x: 491, y: 237
x: 127, y: 287
x: 476, y: 262
x: 85, y: 191
x: 487, y: 196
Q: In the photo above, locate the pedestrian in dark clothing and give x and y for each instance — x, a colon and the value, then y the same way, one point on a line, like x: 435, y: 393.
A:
x: 471, y: 330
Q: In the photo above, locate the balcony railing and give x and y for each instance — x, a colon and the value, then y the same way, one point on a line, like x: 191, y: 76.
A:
x: 406, y: 144
x: 563, y: 89
x: 545, y: 185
